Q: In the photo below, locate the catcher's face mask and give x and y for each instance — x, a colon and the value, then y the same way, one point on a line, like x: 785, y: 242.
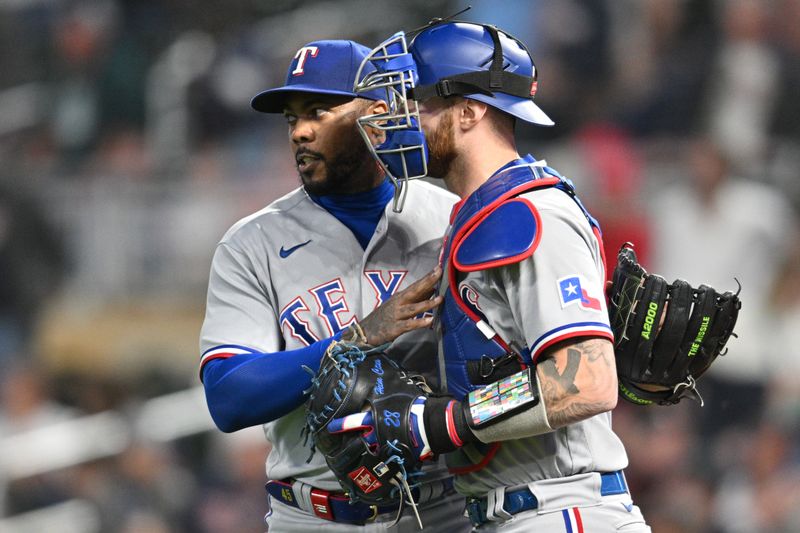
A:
x: 404, y: 153
x: 445, y: 58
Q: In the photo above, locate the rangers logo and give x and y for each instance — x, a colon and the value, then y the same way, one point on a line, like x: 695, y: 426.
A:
x: 571, y: 292
x: 365, y: 480
x: 301, y: 57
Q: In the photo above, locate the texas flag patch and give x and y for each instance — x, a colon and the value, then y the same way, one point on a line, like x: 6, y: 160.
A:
x: 571, y: 291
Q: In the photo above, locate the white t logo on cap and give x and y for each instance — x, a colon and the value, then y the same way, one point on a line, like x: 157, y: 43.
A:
x: 301, y: 56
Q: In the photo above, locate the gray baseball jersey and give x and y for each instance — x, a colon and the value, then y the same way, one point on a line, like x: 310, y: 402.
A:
x: 555, y: 294
x: 292, y: 274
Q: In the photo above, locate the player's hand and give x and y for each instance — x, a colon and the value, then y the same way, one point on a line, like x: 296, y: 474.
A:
x: 364, y: 424
x: 403, y: 311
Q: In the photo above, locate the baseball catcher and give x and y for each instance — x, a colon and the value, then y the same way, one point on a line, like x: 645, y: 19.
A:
x: 375, y: 422
x: 666, y: 335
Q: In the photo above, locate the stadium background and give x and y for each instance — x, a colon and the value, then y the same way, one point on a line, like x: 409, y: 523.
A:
x: 127, y: 147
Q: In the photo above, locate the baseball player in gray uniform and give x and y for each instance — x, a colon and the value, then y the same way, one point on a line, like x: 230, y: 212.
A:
x: 526, y: 347
x: 304, y: 271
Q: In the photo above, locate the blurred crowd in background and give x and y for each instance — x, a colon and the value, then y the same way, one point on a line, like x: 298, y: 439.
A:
x: 127, y: 147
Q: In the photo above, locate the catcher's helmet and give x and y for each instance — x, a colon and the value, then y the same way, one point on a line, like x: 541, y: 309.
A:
x: 480, y: 62
x: 445, y: 58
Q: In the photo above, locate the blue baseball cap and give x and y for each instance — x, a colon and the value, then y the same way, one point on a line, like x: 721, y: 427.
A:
x: 322, y: 67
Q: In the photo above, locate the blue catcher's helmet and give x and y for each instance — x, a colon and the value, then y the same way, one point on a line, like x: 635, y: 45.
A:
x: 480, y: 62
x: 445, y: 58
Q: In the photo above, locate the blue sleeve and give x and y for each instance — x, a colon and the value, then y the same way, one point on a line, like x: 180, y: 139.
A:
x: 252, y: 389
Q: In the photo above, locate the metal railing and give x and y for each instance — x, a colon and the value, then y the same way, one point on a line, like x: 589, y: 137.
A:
x: 84, y: 439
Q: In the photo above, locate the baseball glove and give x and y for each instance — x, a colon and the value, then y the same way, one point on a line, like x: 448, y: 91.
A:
x: 666, y: 335
x: 362, y: 416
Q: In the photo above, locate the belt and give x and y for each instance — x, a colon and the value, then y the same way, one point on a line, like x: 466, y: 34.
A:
x: 336, y: 506
x: 517, y: 501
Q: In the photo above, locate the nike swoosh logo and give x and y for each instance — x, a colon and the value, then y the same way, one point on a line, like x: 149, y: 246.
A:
x: 289, y: 251
x: 628, y: 507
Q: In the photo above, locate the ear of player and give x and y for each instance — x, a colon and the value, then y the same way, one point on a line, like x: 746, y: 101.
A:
x: 666, y: 335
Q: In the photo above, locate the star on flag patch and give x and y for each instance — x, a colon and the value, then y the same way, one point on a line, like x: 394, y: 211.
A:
x: 571, y: 291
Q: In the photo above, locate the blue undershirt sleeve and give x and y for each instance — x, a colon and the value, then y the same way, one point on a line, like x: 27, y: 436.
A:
x: 252, y: 389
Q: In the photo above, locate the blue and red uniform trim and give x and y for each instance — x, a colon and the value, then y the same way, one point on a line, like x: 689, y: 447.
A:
x: 573, y: 522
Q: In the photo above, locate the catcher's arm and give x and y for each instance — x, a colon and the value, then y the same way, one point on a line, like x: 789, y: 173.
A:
x: 573, y: 381
x: 375, y: 423
x: 667, y: 337
x: 578, y: 380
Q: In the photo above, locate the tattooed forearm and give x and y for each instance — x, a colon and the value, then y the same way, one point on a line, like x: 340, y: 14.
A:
x: 564, y: 381
x: 597, y: 351
x: 578, y: 381
x: 562, y: 397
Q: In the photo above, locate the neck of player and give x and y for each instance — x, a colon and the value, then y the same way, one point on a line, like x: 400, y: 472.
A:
x: 367, y: 178
x: 481, y: 157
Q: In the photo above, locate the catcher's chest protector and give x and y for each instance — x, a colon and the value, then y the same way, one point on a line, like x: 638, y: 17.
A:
x: 494, y: 227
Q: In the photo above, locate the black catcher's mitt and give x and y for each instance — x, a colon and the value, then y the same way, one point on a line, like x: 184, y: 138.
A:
x: 360, y: 417
x: 666, y: 335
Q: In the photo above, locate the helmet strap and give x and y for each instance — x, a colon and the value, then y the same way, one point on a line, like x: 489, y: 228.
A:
x: 496, y: 70
x: 482, y: 82
x: 496, y: 79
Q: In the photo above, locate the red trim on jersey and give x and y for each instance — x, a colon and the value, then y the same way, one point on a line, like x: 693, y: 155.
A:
x: 204, y: 362
x: 569, y: 335
x: 578, y: 519
x: 223, y: 355
x: 506, y: 260
x: 493, y: 449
